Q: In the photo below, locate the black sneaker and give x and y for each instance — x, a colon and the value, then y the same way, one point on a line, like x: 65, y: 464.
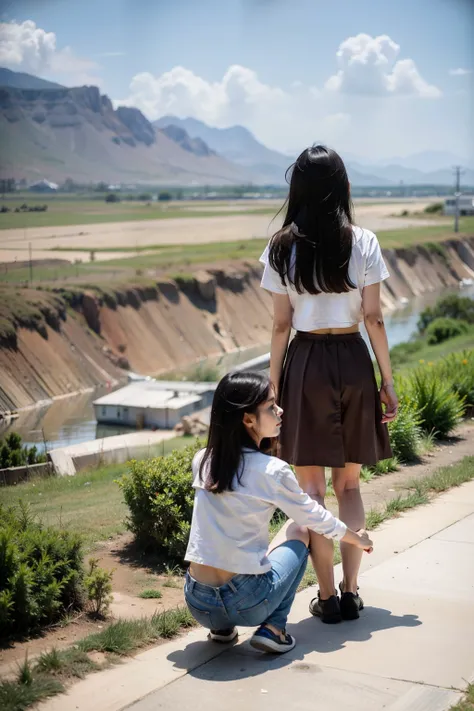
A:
x: 351, y: 604
x: 267, y: 641
x: 328, y: 610
x: 223, y: 636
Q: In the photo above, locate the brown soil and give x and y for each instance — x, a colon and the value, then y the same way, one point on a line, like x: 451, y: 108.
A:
x: 64, y: 363
x: 134, y: 574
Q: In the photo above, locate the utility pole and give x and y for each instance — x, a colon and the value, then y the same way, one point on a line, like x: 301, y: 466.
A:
x: 31, y: 265
x: 457, y: 195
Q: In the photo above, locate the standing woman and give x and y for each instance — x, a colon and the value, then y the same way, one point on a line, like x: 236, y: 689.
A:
x: 324, y: 274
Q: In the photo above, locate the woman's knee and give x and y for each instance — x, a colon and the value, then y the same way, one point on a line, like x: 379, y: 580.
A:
x: 313, y: 482
x: 346, y: 487
x: 346, y: 481
x: 299, y: 533
x: 294, y: 532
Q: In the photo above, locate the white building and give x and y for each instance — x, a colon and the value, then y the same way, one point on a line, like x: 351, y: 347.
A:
x: 466, y: 205
x: 44, y: 186
x: 153, y: 404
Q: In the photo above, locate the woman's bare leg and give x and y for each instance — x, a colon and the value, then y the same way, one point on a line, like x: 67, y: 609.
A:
x: 346, y: 483
x: 313, y: 481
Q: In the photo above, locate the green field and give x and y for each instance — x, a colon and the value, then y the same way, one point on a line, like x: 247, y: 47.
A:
x: 65, y: 211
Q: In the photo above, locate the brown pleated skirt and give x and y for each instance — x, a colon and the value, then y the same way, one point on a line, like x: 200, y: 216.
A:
x: 332, y: 413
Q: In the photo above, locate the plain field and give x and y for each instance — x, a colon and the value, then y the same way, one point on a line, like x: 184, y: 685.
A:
x: 112, y: 227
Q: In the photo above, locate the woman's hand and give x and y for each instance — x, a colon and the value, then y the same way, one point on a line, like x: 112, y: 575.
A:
x: 364, y: 541
x: 389, y: 398
x: 359, y: 539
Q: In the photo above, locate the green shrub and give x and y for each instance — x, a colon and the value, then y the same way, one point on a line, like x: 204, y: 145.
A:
x: 439, y: 406
x: 434, y: 207
x: 41, y: 572
x: 405, y: 431
x: 402, y: 352
x: 442, y: 329
x: 98, y: 584
x: 14, y: 454
x: 160, y: 498
x: 151, y: 594
x: 384, y: 466
x: 458, y: 370
x: 450, y: 306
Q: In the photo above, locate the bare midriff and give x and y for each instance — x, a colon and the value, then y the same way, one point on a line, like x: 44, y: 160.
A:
x: 336, y: 331
x: 207, y: 575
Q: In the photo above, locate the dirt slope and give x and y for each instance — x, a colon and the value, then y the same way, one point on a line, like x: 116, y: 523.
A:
x: 167, y: 326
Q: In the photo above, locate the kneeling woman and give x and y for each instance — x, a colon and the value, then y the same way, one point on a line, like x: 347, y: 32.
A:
x: 235, y: 577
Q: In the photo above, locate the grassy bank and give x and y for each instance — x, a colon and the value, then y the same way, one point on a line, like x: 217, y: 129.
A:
x: 410, y: 236
x: 89, y: 503
x: 161, y: 258
x: 430, y: 354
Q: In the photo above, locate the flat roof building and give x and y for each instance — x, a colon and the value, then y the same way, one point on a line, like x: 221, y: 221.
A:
x: 153, y: 403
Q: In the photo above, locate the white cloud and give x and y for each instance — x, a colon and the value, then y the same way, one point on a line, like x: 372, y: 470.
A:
x: 368, y: 67
x: 238, y: 97
x: 460, y: 72
x: 278, y: 117
x: 28, y: 48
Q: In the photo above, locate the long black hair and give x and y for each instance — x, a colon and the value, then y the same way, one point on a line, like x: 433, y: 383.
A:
x: 236, y: 394
x: 318, y: 224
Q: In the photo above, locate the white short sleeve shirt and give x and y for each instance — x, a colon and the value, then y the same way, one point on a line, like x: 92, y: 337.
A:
x: 315, y: 311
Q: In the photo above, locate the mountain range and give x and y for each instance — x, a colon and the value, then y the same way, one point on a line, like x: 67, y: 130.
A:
x: 47, y: 130
x: 58, y: 133
x: 240, y: 146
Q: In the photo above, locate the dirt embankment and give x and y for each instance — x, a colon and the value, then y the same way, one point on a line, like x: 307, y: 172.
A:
x: 55, y: 344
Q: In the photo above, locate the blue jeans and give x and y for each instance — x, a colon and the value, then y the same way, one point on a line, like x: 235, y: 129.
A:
x: 251, y: 600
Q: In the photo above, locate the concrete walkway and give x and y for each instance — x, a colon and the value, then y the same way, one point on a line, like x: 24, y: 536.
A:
x: 411, y: 650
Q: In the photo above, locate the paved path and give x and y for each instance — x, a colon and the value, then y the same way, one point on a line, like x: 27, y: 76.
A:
x: 412, y: 649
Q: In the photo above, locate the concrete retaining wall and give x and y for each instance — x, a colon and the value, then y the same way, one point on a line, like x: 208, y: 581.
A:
x: 15, y: 475
x: 67, y: 461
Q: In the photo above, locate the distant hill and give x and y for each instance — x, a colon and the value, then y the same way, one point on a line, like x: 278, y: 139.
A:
x: 394, y: 174
x: 193, y: 145
x: 59, y: 133
x: 238, y: 145
x: 20, y: 80
x: 427, y: 161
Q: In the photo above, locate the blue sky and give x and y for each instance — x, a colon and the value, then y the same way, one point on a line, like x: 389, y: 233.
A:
x: 372, y: 77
